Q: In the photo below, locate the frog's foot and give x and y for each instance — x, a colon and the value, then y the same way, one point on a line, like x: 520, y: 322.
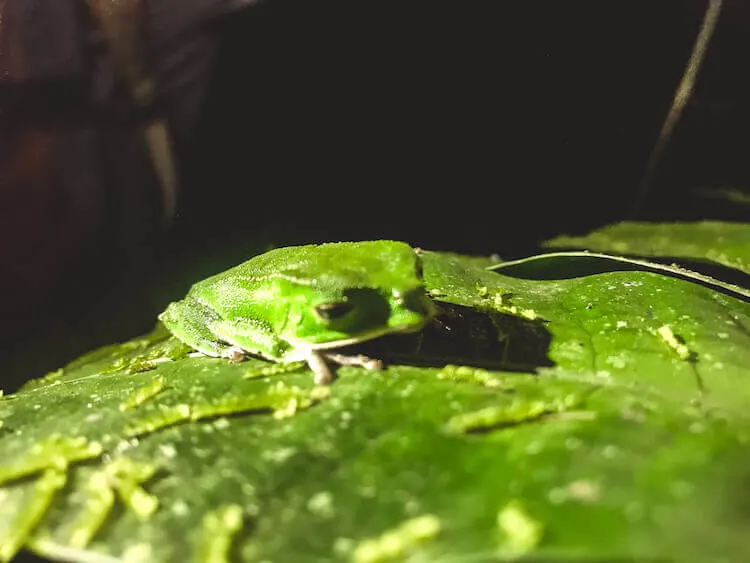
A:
x: 358, y: 360
x: 234, y: 353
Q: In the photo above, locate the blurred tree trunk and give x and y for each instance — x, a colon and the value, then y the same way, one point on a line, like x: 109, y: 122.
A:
x: 82, y: 218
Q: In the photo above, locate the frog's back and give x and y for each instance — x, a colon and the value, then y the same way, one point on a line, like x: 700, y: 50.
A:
x: 274, y: 261
x: 375, y: 263
x: 260, y: 267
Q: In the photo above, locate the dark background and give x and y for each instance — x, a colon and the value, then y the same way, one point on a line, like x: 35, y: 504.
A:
x: 474, y: 126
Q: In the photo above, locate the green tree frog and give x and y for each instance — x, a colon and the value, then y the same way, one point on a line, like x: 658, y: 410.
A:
x: 303, y: 302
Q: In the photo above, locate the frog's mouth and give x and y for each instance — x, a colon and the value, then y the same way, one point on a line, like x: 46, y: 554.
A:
x: 360, y: 337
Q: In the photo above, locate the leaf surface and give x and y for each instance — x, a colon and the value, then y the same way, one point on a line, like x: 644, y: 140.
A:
x: 615, y: 427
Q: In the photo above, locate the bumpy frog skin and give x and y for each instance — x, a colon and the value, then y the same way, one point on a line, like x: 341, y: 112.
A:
x: 301, y: 302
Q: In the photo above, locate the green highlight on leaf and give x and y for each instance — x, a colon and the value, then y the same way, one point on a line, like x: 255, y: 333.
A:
x: 513, y: 414
x: 676, y: 343
x: 217, y: 531
x: 283, y: 400
x: 496, y: 416
x: 55, y: 452
x: 94, y: 499
x: 500, y: 300
x: 126, y: 476
x: 468, y: 374
x: 167, y: 416
x: 99, y: 500
x: 395, y: 544
x: 165, y: 349
x: 144, y: 393
x: 25, y: 520
x: 520, y: 533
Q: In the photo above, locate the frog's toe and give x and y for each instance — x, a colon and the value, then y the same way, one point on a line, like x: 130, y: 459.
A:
x: 234, y: 353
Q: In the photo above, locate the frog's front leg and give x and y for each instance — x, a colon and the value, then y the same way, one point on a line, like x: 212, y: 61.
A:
x: 320, y: 368
x: 188, y: 321
x: 319, y: 364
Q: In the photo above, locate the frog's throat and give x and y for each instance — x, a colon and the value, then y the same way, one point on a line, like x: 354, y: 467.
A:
x: 301, y: 344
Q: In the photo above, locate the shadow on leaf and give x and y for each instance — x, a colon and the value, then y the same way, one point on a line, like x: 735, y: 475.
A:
x: 463, y: 335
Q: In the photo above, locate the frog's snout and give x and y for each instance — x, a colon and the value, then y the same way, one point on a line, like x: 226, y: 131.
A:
x: 416, y: 300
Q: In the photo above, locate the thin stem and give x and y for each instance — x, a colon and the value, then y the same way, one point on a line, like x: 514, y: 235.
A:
x: 681, y: 97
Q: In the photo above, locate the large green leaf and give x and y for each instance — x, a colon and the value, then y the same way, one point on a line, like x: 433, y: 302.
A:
x: 618, y: 428
x: 725, y: 243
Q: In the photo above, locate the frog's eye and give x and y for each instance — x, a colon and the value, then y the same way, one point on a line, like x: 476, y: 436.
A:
x: 333, y: 311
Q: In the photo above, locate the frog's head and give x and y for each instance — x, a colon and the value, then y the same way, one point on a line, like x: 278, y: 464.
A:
x: 374, y: 291
x: 361, y: 314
